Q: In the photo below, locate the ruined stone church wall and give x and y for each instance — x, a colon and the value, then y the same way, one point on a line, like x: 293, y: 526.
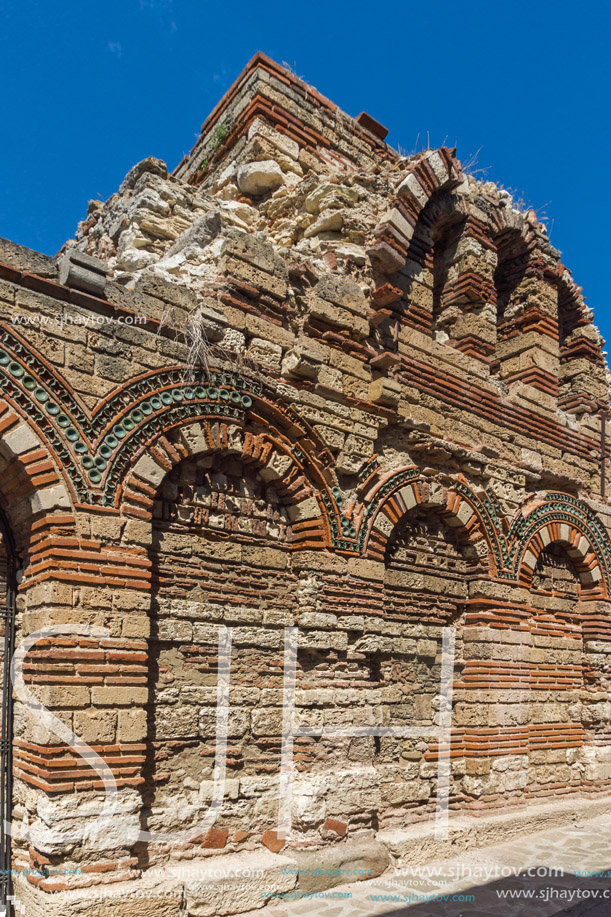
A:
x: 303, y: 381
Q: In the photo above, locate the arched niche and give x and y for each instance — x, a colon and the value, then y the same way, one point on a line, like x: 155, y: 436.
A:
x: 435, y: 251
x: 554, y: 655
x: 427, y: 562
x: 512, y: 265
x: 455, y: 251
x: 583, y: 387
x: 581, y: 546
x: 526, y: 313
x: 425, y: 568
x: 447, y: 236
x: 222, y: 539
x: 35, y: 507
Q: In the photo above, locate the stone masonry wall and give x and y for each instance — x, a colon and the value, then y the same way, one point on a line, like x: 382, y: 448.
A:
x: 301, y: 381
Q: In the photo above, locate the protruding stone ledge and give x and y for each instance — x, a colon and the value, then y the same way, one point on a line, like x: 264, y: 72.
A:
x: 385, y: 391
x: 417, y: 844
x: 214, y: 887
x: 352, y: 861
x: 304, y: 361
x: 83, y: 272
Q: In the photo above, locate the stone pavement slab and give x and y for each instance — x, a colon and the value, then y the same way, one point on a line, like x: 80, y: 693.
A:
x: 561, y: 871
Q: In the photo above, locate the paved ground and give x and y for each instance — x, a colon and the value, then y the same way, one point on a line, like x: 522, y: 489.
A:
x: 578, y: 853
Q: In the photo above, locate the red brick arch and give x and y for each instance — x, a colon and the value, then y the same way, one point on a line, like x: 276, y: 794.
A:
x: 271, y: 452
x: 453, y: 507
x: 508, y: 218
x: 579, y: 547
x: 434, y: 170
x: 33, y: 491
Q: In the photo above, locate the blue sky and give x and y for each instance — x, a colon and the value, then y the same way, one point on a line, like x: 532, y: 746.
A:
x: 91, y: 88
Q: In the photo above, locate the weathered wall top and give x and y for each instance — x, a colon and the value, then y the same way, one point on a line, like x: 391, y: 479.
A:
x: 293, y: 244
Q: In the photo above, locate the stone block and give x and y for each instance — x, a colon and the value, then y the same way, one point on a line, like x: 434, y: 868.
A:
x: 246, y: 881
x: 57, y: 696
x: 344, y: 292
x: 267, y: 722
x: 307, y: 509
x: 118, y: 696
x: 238, y: 723
x: 18, y: 440
x: 148, y: 469
x: 411, y: 187
x: 385, y: 391
x: 350, y: 861
x: 254, y: 251
x: 305, y: 361
x: 83, y: 272
x: 257, y: 178
x: 338, y: 316
x: 132, y: 725
x: 175, y: 631
x: 173, y: 721
x: 268, y: 558
x: 265, y: 352
x: 317, y: 620
x: 385, y: 258
x: 95, y: 726
x: 322, y: 639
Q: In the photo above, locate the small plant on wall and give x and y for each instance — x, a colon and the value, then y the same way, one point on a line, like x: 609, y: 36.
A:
x: 219, y: 135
